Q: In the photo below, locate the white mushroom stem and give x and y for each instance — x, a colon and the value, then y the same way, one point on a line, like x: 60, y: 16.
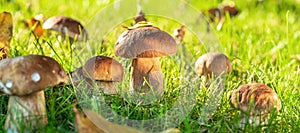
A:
x: 108, y: 87
x: 28, y: 111
x: 253, y: 120
x: 77, y: 78
x: 147, y: 71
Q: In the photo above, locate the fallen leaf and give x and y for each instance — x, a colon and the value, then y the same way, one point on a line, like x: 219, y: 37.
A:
x: 83, y: 124
x: 35, y: 24
x: 107, y: 126
x: 92, y: 122
x: 5, y: 33
x: 36, y: 27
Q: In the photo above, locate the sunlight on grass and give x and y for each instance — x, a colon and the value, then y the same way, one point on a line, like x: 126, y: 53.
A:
x: 260, y: 42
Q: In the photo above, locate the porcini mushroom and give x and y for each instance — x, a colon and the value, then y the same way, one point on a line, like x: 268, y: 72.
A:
x: 144, y: 45
x: 218, y: 14
x: 140, y: 17
x: 179, y: 34
x: 67, y: 26
x: 255, y: 100
x: 24, y: 78
x: 213, y: 64
x: 104, y: 70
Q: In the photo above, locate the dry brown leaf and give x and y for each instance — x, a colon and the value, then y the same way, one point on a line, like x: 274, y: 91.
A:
x: 92, y: 122
x: 35, y: 23
x: 36, y: 27
x: 109, y: 126
x: 115, y: 128
x: 5, y: 33
x: 83, y: 124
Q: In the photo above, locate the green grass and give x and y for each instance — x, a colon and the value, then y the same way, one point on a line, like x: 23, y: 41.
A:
x: 260, y: 42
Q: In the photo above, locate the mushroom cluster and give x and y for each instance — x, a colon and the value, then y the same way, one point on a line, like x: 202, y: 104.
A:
x: 24, y: 78
x: 255, y: 100
x: 145, y: 45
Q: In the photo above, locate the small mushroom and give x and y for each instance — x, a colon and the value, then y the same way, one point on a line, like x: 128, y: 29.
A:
x: 24, y: 78
x: 105, y: 70
x: 144, y: 45
x: 67, y: 26
x: 213, y: 64
x: 255, y: 100
x: 140, y: 17
x: 6, y: 26
x: 179, y: 33
x: 217, y: 14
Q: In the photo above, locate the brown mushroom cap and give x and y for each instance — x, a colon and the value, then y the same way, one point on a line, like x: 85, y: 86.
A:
x: 27, y: 74
x: 255, y: 99
x: 220, y: 11
x: 145, y: 42
x: 213, y: 63
x: 66, y: 25
x: 76, y: 76
x: 103, y: 68
x: 140, y: 17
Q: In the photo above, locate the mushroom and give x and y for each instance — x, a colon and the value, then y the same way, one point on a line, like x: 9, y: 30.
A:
x: 24, y: 78
x: 213, y: 64
x: 105, y: 70
x: 67, y: 26
x: 217, y: 14
x: 144, y: 45
x: 179, y: 33
x: 256, y: 100
x: 140, y: 17
x: 6, y: 26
